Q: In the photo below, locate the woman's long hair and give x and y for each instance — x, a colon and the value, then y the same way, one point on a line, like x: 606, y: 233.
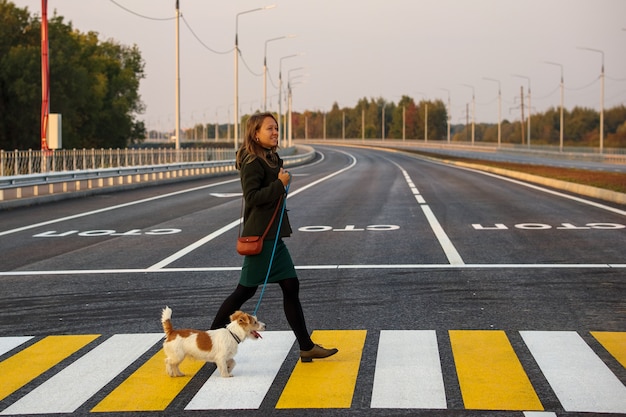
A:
x: 250, y: 149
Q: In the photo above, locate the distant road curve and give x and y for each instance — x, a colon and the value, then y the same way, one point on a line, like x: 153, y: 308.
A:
x: 492, y: 154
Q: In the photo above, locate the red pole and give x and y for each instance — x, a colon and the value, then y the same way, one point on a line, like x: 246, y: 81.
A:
x: 45, y: 76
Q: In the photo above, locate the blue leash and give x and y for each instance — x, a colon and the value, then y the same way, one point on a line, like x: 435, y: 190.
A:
x: 269, y: 268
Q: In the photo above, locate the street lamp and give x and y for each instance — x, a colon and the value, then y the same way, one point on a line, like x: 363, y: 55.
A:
x: 425, y: 116
x: 177, y: 116
x: 561, y: 115
x: 289, y: 122
x: 265, y: 67
x: 449, y: 110
x: 499, y: 108
x: 529, y: 107
x: 280, y: 89
x: 237, y: 67
x: 473, y: 110
x: 601, y: 97
x: 383, y: 122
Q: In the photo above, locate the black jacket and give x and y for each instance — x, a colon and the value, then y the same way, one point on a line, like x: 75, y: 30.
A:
x: 262, y: 190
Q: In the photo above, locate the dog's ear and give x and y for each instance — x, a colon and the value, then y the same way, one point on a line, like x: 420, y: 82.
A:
x: 242, y: 318
x: 238, y: 316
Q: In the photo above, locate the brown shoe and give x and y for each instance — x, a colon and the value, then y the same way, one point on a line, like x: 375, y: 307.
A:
x: 318, y: 352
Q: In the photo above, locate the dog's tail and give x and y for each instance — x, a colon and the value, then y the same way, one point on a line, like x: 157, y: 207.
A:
x: 166, y: 321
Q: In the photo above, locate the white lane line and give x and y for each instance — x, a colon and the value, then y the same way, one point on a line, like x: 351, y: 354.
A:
x: 408, y: 371
x: 10, y: 343
x: 186, y: 250
x: 195, y: 245
x: 315, y: 267
x: 578, y: 377
x: 446, y: 244
x: 102, y: 210
x: 258, y: 363
x: 71, y: 387
x: 545, y: 190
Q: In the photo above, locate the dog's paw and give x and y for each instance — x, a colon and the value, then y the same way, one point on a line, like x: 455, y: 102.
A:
x: 173, y: 371
x: 175, y: 374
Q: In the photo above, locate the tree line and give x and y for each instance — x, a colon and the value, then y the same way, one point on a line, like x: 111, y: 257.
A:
x: 95, y: 84
x: 428, y: 120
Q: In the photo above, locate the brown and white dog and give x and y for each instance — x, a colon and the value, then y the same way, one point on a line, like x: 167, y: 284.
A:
x: 218, y: 346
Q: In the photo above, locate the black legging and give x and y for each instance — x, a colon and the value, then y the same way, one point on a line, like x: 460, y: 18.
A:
x: 291, y: 305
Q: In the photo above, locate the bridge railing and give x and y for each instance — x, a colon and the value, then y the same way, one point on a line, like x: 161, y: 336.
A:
x: 37, y: 161
x: 18, y: 190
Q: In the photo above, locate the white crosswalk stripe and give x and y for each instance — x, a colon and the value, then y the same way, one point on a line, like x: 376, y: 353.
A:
x: 259, y: 362
x: 408, y: 371
x: 10, y: 343
x: 579, y: 378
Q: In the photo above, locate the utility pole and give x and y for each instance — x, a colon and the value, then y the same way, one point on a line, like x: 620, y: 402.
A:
x: 363, y: 124
x: 177, y: 134
x: 45, y: 76
x: 426, y: 122
x: 522, y: 107
x: 466, y: 119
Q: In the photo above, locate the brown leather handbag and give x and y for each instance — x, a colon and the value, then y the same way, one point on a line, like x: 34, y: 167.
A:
x: 253, y: 245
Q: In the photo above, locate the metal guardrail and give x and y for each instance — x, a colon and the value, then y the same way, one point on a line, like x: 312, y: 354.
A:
x: 37, y: 161
x: 18, y: 190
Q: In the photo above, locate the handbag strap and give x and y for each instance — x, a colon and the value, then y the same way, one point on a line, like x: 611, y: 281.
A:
x: 269, y: 268
x: 267, y: 229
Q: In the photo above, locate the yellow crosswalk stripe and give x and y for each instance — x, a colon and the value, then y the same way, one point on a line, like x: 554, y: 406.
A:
x: 326, y: 383
x: 615, y: 343
x: 149, y: 388
x: 490, y: 374
x: 24, y: 366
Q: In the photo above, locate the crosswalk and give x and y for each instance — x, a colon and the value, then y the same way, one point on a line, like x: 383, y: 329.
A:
x: 63, y: 373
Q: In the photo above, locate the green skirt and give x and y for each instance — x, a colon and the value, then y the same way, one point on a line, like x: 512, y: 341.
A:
x: 255, y: 267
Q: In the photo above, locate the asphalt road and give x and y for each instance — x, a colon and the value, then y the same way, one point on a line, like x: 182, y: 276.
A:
x: 449, y: 292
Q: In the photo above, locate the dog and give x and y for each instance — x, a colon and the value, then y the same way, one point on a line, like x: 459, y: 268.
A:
x: 218, y: 346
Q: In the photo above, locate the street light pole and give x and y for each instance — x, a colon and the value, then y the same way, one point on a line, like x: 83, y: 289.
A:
x: 529, y: 107
x: 448, y: 111
x: 289, y: 105
x: 601, y: 97
x: 237, y: 67
x: 280, y: 89
x: 561, y: 111
x: 383, y: 123
x: 425, y: 122
x: 499, y: 109
x: 177, y: 134
x: 265, y: 67
x: 473, y: 110
x: 403, y: 122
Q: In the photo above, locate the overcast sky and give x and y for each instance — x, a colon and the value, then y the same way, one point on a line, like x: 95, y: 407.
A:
x: 355, y: 49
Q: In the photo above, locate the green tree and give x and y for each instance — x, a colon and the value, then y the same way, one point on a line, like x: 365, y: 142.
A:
x: 19, y: 74
x: 94, y: 84
x: 615, y: 124
x: 334, y: 122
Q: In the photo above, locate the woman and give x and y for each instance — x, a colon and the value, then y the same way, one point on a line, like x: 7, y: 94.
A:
x: 263, y: 181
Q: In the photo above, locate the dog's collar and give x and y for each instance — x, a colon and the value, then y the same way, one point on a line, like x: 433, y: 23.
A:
x: 237, y: 339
